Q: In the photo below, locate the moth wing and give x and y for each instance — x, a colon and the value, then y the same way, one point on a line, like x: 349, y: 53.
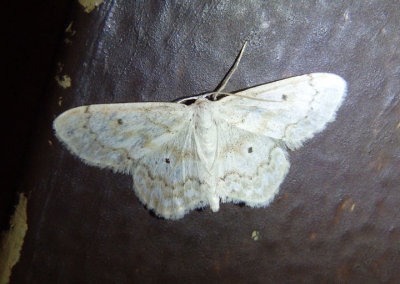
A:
x: 251, y: 166
x: 291, y: 110
x: 253, y: 132
x: 151, y: 141
x: 112, y: 135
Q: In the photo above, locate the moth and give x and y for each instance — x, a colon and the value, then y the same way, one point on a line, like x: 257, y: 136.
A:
x: 207, y: 149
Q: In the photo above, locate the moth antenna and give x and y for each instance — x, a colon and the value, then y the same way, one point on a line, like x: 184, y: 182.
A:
x: 230, y: 73
x: 243, y: 96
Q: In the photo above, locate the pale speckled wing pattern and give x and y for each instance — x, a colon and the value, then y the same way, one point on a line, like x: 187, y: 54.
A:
x: 295, y: 108
x: 172, y: 179
x: 112, y: 135
x: 152, y: 141
x: 251, y: 167
x: 293, y: 111
x: 184, y: 157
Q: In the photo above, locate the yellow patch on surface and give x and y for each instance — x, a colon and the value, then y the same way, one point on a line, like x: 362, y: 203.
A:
x: 12, y: 240
x: 89, y: 5
x: 255, y: 235
x: 63, y: 81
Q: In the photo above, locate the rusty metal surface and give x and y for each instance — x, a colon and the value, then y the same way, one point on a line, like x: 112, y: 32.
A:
x: 336, y: 217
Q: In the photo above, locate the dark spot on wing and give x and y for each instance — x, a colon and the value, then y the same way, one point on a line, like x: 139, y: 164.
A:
x: 284, y: 97
x: 120, y: 122
x: 167, y: 161
x: 250, y: 150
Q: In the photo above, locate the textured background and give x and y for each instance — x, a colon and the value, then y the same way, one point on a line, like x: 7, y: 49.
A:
x: 336, y: 217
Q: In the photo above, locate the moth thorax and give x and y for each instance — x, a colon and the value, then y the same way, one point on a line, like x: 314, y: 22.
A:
x: 206, y: 133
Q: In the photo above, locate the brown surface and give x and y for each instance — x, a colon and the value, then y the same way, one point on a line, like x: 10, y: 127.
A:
x: 31, y: 33
x: 336, y: 218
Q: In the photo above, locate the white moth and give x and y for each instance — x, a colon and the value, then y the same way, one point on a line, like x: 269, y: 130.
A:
x: 223, y: 147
